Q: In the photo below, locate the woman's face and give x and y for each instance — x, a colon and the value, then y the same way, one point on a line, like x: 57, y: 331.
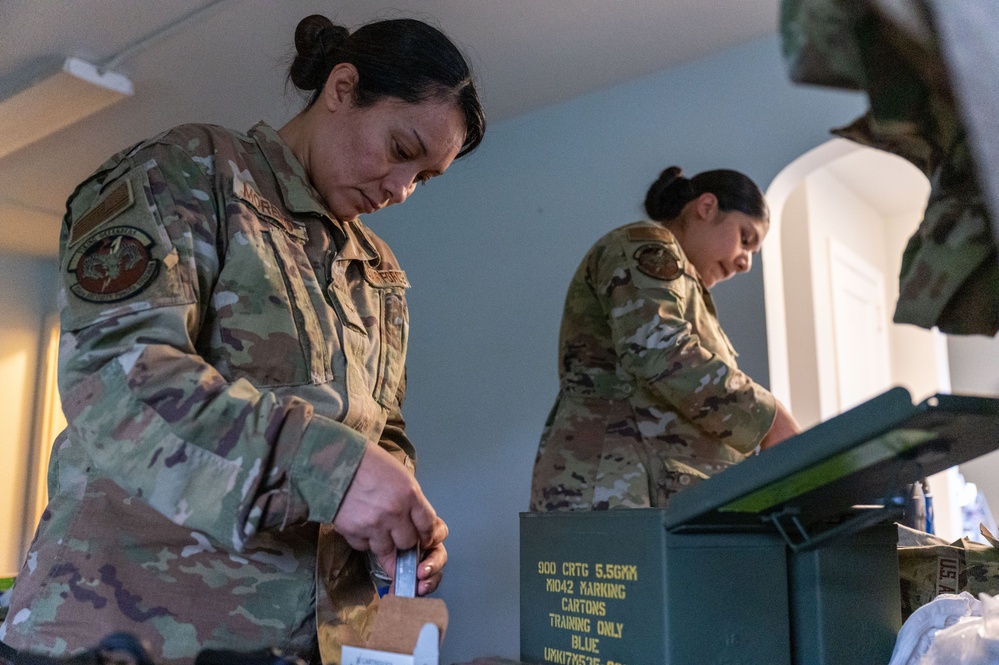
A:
x: 361, y: 159
x: 723, y: 244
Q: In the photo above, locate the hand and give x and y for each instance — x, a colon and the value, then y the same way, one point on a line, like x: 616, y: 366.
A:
x: 783, y: 427
x: 384, y: 510
x: 431, y: 569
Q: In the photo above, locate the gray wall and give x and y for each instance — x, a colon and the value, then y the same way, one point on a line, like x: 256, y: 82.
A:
x: 490, y: 248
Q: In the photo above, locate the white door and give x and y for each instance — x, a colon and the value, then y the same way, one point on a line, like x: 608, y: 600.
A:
x: 860, y: 326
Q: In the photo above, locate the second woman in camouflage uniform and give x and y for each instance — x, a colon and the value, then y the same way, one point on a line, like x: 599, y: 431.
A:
x: 651, y: 399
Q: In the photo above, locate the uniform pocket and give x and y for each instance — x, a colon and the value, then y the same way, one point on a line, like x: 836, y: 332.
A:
x: 265, y: 326
x: 393, y: 332
x: 672, y: 477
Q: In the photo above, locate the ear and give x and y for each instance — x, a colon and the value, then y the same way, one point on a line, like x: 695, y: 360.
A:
x: 706, y: 205
x: 340, y: 86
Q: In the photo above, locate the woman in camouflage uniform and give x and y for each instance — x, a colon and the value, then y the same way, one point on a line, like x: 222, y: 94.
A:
x: 232, y: 368
x: 651, y: 399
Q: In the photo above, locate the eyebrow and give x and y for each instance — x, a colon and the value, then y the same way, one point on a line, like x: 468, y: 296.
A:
x: 423, y: 151
x: 423, y: 147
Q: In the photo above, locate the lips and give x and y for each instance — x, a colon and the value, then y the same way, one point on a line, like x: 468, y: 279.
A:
x: 368, y: 205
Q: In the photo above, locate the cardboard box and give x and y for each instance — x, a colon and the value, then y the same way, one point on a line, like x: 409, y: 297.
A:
x: 405, y: 631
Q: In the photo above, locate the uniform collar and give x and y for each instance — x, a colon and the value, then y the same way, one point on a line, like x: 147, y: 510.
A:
x: 357, y: 244
x: 351, y: 238
x: 298, y: 194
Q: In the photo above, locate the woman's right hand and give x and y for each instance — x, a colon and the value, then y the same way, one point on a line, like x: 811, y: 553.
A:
x: 384, y: 509
x: 783, y: 427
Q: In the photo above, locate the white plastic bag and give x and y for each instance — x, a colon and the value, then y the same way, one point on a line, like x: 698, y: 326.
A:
x: 922, y: 626
x: 973, y: 640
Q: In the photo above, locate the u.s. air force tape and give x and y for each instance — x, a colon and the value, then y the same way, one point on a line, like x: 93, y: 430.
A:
x: 113, y: 264
x: 658, y: 261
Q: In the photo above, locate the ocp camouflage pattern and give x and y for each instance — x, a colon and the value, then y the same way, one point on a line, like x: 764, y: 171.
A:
x: 228, y: 347
x: 651, y: 399
x: 891, y: 50
x: 927, y: 571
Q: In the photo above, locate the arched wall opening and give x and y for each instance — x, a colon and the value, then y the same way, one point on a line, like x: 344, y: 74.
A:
x: 840, y: 217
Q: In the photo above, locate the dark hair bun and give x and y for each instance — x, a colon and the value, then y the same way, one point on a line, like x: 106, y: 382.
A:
x: 316, y: 38
x: 668, y: 194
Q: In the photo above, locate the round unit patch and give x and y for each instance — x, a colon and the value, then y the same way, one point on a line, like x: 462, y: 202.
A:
x: 112, y: 265
x: 657, y: 261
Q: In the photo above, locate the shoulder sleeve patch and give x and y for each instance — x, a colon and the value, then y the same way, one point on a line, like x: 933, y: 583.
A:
x: 115, y: 202
x: 112, y: 265
x: 658, y: 261
x: 639, y: 233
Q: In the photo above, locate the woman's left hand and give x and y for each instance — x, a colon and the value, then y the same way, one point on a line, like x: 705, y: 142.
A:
x: 431, y: 568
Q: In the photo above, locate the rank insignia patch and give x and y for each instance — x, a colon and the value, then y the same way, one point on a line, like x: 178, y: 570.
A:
x: 658, y: 261
x: 117, y: 201
x: 113, y: 264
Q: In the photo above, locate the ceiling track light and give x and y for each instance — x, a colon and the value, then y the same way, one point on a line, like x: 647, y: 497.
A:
x: 72, y: 93
x: 76, y: 91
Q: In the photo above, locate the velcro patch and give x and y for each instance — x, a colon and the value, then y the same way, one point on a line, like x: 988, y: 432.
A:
x: 387, y: 278
x: 658, y: 261
x: 113, y: 264
x: 115, y: 202
x: 639, y: 233
x: 248, y: 193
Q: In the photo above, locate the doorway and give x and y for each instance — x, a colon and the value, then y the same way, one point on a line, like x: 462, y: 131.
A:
x: 840, y: 217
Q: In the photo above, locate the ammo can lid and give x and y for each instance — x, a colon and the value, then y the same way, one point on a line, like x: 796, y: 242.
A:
x: 860, y: 459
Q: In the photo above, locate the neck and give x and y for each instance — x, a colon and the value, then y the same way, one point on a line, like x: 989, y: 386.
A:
x: 294, y: 134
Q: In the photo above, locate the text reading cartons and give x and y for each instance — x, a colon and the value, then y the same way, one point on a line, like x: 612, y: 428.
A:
x: 583, y: 612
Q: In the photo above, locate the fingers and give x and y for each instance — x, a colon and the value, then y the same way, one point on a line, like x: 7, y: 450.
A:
x: 438, y: 534
x: 430, y: 584
x: 430, y: 571
x: 384, y: 549
x: 424, y: 519
x: 432, y: 563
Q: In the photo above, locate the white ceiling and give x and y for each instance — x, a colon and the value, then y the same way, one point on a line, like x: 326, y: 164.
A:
x: 227, y: 64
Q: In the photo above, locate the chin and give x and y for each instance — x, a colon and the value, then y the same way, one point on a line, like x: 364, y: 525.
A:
x: 345, y: 215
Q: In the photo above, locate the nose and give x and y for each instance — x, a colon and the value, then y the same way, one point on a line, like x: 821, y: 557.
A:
x: 744, y: 261
x: 397, y: 187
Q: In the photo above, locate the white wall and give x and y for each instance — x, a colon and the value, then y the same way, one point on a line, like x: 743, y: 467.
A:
x: 799, y: 299
x: 490, y: 249
x: 26, y: 299
x: 974, y: 366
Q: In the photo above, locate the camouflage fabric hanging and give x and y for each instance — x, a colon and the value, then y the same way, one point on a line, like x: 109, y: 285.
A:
x: 892, y: 51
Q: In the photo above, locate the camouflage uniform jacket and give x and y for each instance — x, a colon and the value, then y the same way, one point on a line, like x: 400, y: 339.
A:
x: 891, y: 50
x: 228, y: 347
x: 650, y: 398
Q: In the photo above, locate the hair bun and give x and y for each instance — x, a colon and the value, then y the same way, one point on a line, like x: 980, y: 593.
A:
x: 669, y: 175
x: 668, y: 194
x: 316, y: 37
